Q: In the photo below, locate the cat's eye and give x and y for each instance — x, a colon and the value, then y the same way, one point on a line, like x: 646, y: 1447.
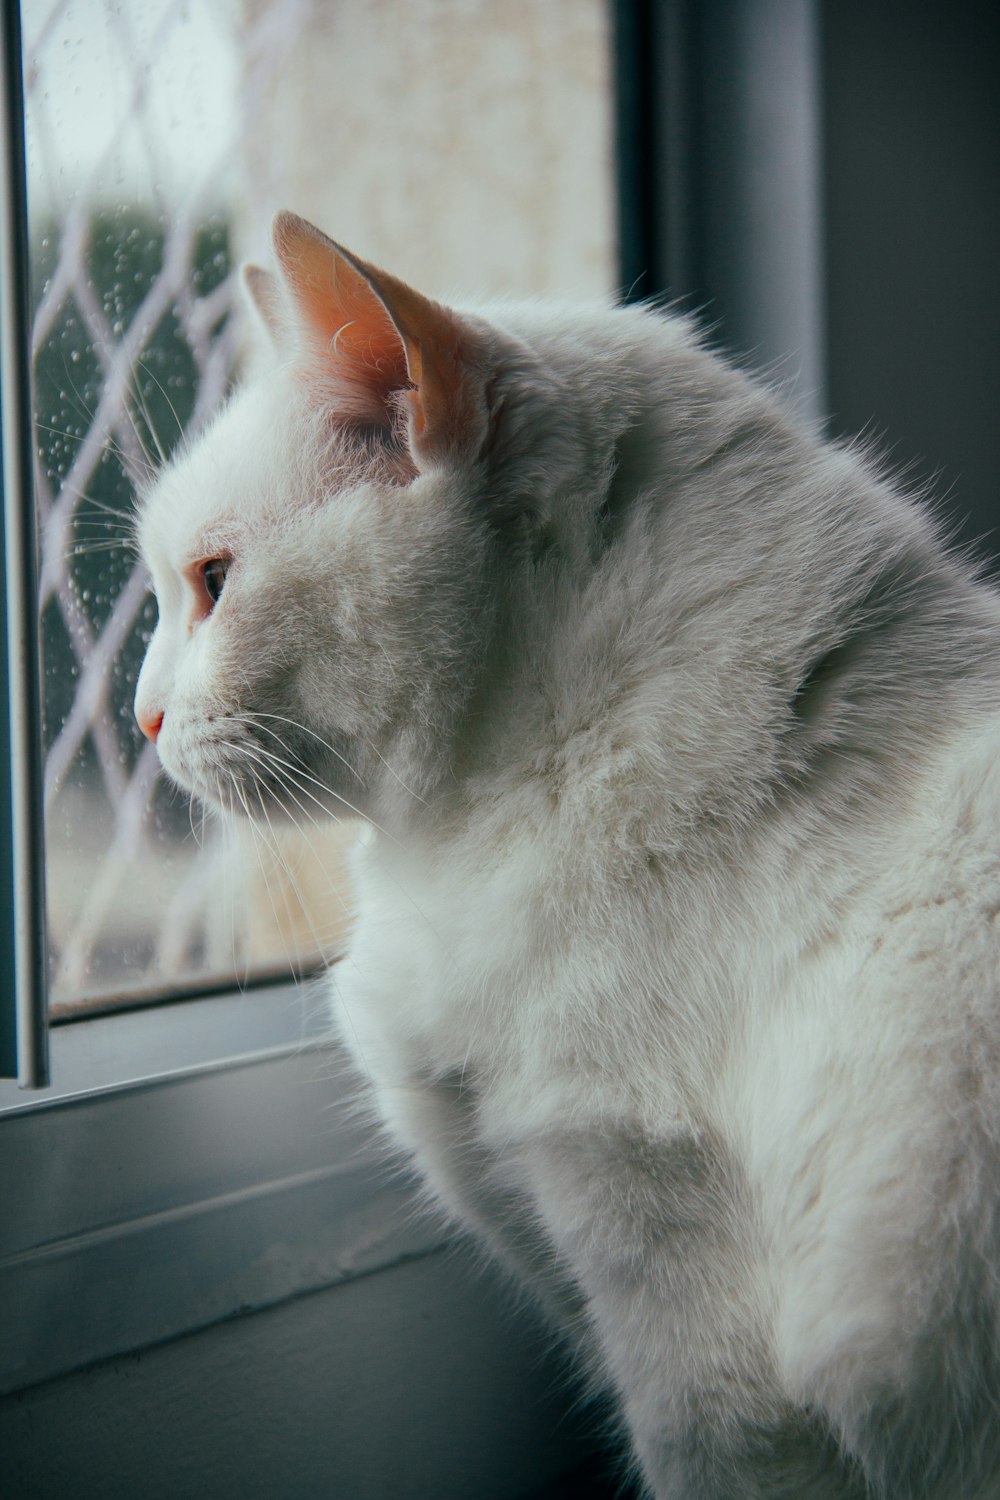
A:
x: 207, y: 579
x: 213, y: 577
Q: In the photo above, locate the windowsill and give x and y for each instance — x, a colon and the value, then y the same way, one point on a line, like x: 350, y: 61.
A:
x: 153, y: 1041
x: 190, y: 1162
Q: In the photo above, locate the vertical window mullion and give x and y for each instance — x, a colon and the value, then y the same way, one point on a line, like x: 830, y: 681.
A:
x: 23, y: 1023
x: 720, y: 192
x: 637, y: 148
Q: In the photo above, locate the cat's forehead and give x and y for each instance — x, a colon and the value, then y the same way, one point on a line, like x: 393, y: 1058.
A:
x: 233, y: 476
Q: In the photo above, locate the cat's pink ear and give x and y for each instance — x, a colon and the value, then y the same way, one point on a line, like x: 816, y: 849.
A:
x: 264, y: 295
x: 380, y: 338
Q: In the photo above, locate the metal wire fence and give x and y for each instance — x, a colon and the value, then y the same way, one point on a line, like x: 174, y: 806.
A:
x: 135, y: 347
x: 160, y: 133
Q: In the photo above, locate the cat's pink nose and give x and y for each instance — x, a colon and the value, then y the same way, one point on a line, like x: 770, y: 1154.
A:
x: 150, y: 724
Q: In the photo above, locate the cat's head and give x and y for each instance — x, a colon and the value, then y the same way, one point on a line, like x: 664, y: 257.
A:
x: 329, y: 557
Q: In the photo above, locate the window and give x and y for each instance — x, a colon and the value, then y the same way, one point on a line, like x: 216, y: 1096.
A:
x: 161, y: 139
x: 145, y: 182
x: 131, y: 124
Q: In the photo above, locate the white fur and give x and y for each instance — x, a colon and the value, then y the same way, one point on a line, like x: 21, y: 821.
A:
x: 676, y: 962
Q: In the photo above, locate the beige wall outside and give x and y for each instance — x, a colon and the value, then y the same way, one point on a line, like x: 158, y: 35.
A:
x: 464, y: 144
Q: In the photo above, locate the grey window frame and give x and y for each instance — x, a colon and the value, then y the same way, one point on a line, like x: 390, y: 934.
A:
x: 23, y: 1031
x: 720, y: 173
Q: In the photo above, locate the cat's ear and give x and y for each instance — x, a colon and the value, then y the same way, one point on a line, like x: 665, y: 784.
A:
x: 264, y: 295
x: 385, y: 343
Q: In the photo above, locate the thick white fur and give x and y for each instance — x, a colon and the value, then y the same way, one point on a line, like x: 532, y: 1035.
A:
x: 676, y: 964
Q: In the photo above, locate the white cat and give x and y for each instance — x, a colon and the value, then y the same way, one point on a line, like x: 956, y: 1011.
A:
x: 676, y: 966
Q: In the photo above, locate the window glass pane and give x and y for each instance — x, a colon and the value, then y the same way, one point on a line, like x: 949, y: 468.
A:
x: 162, y: 136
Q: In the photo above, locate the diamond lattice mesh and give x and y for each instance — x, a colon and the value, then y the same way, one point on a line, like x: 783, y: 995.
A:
x: 134, y: 348
x: 160, y: 135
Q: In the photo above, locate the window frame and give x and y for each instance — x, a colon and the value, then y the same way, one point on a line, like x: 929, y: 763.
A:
x: 720, y: 200
x: 196, y: 1160
x: 23, y: 990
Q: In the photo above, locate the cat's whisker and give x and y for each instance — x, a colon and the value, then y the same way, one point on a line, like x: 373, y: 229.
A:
x: 406, y: 893
x: 395, y: 774
x: 271, y: 764
x: 91, y: 549
x: 144, y: 456
x: 305, y: 775
x: 228, y: 864
x: 319, y: 945
x: 260, y: 844
x: 283, y: 863
x: 91, y: 502
x: 98, y: 528
x: 148, y: 419
x: 273, y: 845
x: 84, y: 532
x: 109, y: 444
x: 142, y: 365
x: 290, y: 789
x: 299, y: 773
x: 198, y: 842
x: 274, y: 762
x: 304, y: 728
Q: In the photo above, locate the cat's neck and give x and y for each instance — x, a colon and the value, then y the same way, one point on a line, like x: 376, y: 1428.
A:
x: 727, y: 654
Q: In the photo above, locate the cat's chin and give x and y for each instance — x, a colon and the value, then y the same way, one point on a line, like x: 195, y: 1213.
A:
x: 246, y: 777
x: 251, y: 799
x: 239, y: 801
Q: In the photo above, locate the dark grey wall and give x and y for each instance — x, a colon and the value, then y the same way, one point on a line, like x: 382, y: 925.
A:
x: 416, y: 1383
x: 820, y: 181
x: 911, y: 131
